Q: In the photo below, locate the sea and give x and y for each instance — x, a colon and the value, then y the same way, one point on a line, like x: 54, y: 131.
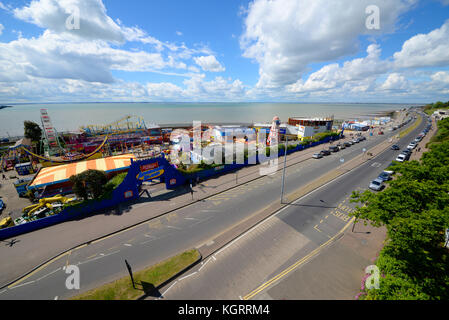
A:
x: 71, y: 116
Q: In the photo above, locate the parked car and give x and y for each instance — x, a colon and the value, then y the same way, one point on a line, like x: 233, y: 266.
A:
x: 381, y: 132
x: 411, y: 146
x: 362, y: 138
x: 395, y: 147
x: 384, y: 176
x: 347, y: 144
x: 325, y: 152
x: 317, y: 155
x: 376, y: 185
x: 334, y: 149
x: 401, y: 158
x: 341, y: 146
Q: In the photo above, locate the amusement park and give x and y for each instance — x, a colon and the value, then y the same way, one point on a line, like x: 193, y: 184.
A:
x: 57, y: 176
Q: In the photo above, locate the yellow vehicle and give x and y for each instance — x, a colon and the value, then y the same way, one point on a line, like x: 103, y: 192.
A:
x: 6, y: 222
x: 50, y: 203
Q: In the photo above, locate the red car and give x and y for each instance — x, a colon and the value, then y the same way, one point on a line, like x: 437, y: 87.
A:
x: 381, y: 132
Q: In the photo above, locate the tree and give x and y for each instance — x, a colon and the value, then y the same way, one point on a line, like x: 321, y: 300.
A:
x: 415, y: 211
x: 90, y: 182
x: 32, y: 131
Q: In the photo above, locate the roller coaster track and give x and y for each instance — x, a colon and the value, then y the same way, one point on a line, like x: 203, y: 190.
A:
x: 67, y: 161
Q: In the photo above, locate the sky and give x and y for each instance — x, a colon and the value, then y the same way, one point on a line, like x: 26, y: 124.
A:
x: 380, y: 51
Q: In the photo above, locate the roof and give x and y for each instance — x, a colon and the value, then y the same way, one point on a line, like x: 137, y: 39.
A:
x: 21, y: 142
x: 54, y: 175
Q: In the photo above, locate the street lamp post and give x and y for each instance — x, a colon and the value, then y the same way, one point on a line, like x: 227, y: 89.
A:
x: 283, y: 173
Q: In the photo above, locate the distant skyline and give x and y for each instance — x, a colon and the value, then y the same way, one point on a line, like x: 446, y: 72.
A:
x: 306, y: 51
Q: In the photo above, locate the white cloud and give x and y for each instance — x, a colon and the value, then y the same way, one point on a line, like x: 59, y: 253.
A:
x: 395, y: 81
x: 285, y: 36
x: 425, y: 50
x: 440, y: 76
x: 179, y: 33
x: 209, y: 63
x: 1, y: 28
x: 350, y: 74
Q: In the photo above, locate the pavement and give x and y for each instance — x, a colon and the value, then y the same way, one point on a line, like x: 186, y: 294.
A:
x: 8, y: 194
x: 30, y: 249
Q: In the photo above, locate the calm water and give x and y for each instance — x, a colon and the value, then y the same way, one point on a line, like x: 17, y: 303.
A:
x: 67, y: 117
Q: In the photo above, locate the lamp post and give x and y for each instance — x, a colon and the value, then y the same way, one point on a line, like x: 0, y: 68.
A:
x: 283, y: 173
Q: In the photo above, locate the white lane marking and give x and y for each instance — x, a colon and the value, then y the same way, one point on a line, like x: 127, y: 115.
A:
x: 191, y: 219
x: 162, y: 295
x: 99, y: 257
x: 213, y: 257
x: 127, y: 244
x: 203, y: 265
x: 240, y: 297
x: 48, y: 274
x: 174, y: 227
x: 189, y: 275
x: 3, y: 291
x: 23, y: 284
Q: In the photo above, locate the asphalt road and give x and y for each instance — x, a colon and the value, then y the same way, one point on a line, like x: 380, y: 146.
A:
x: 267, y: 262
x: 103, y: 261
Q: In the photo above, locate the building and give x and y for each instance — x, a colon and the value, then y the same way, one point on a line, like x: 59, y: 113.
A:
x: 232, y: 133
x: 284, y: 130
x: 56, y: 180
x: 308, y: 127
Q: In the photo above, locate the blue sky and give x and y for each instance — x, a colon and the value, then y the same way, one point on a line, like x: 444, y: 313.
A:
x: 224, y: 50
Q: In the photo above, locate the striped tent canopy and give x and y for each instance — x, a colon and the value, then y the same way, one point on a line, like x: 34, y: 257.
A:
x: 59, y: 174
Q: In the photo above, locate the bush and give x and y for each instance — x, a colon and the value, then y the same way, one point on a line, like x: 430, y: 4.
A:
x: 90, y: 182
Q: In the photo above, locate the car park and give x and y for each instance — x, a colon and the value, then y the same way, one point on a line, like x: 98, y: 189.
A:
x: 376, y: 185
x: 317, y: 155
x: 395, y: 147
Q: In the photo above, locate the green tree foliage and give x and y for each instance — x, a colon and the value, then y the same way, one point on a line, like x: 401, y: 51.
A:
x: 89, y: 183
x: 32, y: 131
x: 415, y: 211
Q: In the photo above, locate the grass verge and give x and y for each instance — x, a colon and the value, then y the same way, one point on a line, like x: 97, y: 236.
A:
x: 145, y: 280
x: 406, y: 132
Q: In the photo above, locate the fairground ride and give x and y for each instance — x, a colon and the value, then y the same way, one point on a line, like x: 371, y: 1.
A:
x: 125, y: 125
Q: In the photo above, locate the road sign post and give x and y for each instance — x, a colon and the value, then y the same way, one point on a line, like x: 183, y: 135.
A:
x: 130, y: 272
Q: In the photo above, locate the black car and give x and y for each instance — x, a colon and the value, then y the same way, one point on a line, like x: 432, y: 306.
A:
x: 325, y: 152
x: 395, y: 147
x: 347, y: 144
x: 334, y: 149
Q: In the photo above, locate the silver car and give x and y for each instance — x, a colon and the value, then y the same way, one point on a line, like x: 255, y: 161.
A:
x: 376, y: 185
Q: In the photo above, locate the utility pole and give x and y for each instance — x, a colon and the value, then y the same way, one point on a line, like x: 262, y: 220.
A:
x: 283, y: 173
